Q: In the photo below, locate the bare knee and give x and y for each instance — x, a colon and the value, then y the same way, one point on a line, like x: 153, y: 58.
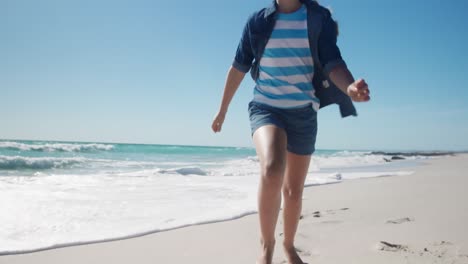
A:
x: 272, y: 171
x: 292, y: 193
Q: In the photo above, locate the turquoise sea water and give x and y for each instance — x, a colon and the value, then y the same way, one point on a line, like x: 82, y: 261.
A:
x: 31, y: 148
x: 26, y: 157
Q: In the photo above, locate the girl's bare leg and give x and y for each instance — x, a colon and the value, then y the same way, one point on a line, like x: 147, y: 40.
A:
x: 293, y: 185
x: 270, y: 144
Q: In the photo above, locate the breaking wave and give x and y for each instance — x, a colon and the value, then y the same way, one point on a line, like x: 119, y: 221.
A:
x: 186, y: 171
x: 58, y: 147
x: 19, y: 163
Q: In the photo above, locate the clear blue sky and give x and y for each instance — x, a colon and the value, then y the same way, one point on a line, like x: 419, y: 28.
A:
x: 153, y: 72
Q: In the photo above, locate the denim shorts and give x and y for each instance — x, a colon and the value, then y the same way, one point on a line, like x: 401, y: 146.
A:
x: 300, y: 125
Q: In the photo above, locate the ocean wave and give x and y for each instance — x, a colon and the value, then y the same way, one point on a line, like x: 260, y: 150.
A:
x: 333, y: 161
x: 253, y: 158
x: 186, y: 171
x: 59, y: 147
x: 18, y: 163
x: 413, y: 154
x: 347, y: 153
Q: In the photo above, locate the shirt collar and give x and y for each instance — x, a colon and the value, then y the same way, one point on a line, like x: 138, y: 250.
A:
x: 270, y: 9
x: 273, y: 7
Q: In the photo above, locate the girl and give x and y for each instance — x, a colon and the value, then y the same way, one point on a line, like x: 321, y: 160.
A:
x: 290, y: 49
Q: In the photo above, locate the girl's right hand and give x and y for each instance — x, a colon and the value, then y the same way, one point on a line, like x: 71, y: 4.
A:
x: 218, y: 122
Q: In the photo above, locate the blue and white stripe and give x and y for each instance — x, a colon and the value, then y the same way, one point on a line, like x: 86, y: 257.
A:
x: 286, y: 67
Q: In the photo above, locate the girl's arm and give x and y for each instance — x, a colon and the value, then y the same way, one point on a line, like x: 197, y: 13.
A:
x: 233, y: 80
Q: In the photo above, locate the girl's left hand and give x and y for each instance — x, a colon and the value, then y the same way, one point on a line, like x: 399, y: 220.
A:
x: 359, y: 91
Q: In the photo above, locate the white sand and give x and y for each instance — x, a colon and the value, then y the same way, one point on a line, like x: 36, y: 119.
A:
x: 428, y: 212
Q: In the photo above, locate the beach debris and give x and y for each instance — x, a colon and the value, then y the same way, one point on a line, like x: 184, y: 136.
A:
x: 338, y: 176
x: 317, y: 214
x: 400, y: 220
x: 386, y: 246
x: 344, y: 209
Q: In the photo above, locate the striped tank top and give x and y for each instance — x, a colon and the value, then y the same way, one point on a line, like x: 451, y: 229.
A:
x: 286, y: 68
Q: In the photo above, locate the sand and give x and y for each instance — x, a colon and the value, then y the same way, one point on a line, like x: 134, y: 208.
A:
x: 420, y: 218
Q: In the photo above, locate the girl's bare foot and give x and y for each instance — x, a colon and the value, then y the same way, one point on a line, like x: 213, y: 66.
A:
x: 291, y: 255
x: 266, y: 256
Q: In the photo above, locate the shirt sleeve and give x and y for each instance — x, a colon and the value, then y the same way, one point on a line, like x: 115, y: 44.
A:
x: 244, y: 55
x: 329, y: 53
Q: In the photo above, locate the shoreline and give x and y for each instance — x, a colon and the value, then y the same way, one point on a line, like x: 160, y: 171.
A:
x: 320, y: 235
x: 131, y: 236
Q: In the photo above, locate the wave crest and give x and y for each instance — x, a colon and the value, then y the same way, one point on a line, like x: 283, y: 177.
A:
x: 186, y: 171
x: 59, y: 147
x: 18, y: 163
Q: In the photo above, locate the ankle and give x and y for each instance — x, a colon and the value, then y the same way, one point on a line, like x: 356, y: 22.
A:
x: 288, y: 245
x: 267, y: 244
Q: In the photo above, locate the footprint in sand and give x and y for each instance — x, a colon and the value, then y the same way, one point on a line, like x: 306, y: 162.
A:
x: 331, y: 222
x: 286, y: 262
x: 318, y: 214
x: 437, y: 252
x: 400, y: 220
x: 391, y: 247
x: 441, y: 249
x: 301, y: 253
